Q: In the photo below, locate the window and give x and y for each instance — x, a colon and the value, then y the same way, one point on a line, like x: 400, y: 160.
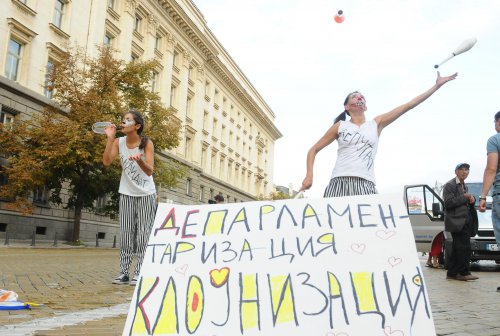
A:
x: 205, y: 120
x: 58, y: 13
x: 187, y: 149
x: 137, y: 24
x: 203, y: 157
x: 207, y: 88
x: 211, y: 194
x: 221, y: 169
x: 101, y: 202
x: 173, y: 95
x: 13, y: 59
x: 175, y: 59
x: 111, y: 4
x: 6, y: 118
x: 133, y: 57
x: 48, y: 90
x: 188, y: 186
x: 216, y: 99
x: 108, y: 40
x: 158, y: 42
x: 223, y: 134
x: 214, y: 127
x: 154, y: 81
x: 202, y: 192
x: 111, y: 33
x: 40, y: 195
x: 214, y: 162
x: 18, y: 50
x: 189, y: 107
x: 41, y: 230
x: 3, y: 181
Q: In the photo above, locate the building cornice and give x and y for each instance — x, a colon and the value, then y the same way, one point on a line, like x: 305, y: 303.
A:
x: 212, y: 51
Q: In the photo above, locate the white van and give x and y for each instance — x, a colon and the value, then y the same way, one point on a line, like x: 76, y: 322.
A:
x: 425, y: 210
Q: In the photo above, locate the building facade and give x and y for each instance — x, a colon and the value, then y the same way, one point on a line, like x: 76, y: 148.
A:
x: 228, y: 131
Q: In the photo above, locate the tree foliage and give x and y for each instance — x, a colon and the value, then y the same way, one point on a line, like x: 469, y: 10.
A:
x: 58, y: 150
x: 276, y: 195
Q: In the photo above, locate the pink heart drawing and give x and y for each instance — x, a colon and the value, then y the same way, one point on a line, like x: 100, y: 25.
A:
x: 358, y: 248
x: 182, y: 269
x: 388, y: 332
x: 393, y: 261
x: 383, y: 234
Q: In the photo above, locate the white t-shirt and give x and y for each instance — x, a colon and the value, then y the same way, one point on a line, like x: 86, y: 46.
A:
x: 134, y: 181
x: 357, y: 150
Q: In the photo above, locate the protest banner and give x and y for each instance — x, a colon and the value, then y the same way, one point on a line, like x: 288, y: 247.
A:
x: 330, y: 267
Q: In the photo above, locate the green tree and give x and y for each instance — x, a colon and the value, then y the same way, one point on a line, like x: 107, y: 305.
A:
x: 275, y: 195
x: 58, y: 150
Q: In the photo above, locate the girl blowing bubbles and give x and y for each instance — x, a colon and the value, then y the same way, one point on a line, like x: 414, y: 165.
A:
x: 137, y: 190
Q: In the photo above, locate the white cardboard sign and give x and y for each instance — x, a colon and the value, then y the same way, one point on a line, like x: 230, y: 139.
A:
x: 329, y: 267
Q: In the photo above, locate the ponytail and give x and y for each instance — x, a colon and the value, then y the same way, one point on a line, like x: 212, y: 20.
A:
x: 344, y: 114
x: 341, y: 116
x: 144, y: 142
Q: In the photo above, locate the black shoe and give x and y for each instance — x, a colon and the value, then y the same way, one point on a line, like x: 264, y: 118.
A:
x: 134, y: 280
x: 451, y: 277
x: 498, y: 289
x: 122, y: 279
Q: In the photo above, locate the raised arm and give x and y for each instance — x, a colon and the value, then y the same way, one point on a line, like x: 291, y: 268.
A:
x: 330, y: 135
x: 111, y: 149
x: 387, y: 118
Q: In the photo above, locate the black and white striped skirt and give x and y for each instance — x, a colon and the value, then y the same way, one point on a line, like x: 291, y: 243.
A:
x: 349, y: 186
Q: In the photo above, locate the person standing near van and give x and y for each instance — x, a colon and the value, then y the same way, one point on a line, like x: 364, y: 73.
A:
x: 459, y: 220
x: 137, y: 190
x: 492, y: 177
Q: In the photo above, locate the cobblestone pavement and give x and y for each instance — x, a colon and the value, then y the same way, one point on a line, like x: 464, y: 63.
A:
x: 75, y: 286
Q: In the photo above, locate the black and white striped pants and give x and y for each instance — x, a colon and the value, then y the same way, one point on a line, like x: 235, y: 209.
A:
x: 137, y: 215
x: 349, y: 186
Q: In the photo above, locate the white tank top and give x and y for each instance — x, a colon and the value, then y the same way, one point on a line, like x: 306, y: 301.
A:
x: 357, y: 150
x: 134, y: 182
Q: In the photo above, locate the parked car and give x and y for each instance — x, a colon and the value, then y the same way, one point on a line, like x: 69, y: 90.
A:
x: 426, y: 213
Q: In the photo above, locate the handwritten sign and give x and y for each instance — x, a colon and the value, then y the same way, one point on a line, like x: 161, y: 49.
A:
x: 330, y: 267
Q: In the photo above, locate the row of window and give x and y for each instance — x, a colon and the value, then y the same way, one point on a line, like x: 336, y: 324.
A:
x: 201, y: 194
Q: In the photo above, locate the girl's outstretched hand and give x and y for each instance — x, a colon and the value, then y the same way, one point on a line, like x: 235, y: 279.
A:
x: 441, y: 80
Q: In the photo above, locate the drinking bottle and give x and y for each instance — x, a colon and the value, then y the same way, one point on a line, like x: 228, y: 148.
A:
x: 100, y: 126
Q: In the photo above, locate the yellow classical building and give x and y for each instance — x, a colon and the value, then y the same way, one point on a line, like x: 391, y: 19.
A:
x: 228, y: 129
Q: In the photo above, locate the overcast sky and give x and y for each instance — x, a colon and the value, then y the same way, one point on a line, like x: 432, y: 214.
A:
x: 303, y: 64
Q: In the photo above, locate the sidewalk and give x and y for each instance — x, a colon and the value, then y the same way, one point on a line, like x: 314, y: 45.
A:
x: 75, y: 286
x: 66, y: 280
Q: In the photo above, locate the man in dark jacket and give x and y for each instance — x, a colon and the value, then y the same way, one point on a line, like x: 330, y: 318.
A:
x: 459, y: 220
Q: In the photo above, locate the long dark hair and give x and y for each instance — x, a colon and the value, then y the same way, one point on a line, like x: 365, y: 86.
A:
x: 344, y: 114
x: 139, y: 120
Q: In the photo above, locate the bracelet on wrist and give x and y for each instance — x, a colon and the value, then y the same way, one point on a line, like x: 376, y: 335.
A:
x: 481, y: 198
